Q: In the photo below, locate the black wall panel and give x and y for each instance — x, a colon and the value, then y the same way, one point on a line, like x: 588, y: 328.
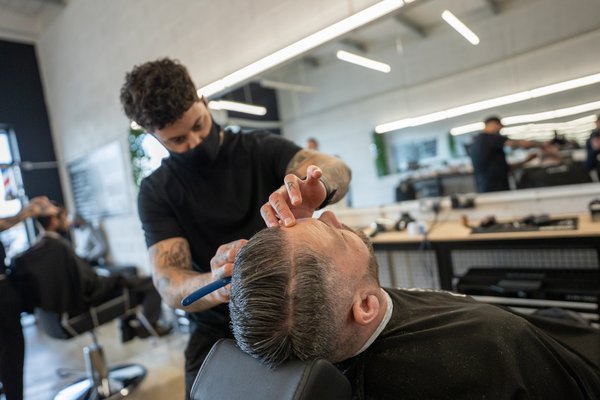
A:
x: 23, y: 108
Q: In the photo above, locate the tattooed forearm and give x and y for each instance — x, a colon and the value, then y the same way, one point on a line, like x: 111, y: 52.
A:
x: 163, y: 284
x: 338, y: 177
x: 175, y: 255
x: 299, y: 159
x: 173, y: 274
x: 179, y: 256
x: 335, y: 172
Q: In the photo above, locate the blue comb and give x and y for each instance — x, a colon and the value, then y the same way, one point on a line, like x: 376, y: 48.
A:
x: 204, y: 290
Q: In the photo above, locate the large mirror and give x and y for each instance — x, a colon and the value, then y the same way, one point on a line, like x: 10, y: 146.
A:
x: 524, y: 46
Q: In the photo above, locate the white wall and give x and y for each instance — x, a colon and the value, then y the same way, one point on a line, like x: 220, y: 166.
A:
x: 530, y: 44
x: 86, y: 51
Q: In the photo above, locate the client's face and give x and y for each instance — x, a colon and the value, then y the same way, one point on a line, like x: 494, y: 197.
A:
x: 350, y: 249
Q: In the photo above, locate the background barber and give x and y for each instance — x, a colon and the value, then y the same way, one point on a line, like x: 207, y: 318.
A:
x: 209, y: 192
x: 592, y: 146
x: 489, y: 161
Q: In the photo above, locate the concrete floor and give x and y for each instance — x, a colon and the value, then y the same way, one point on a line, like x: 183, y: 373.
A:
x: 163, y: 359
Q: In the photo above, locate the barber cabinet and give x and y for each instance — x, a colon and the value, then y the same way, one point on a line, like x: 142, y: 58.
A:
x: 557, y: 175
x: 526, y: 270
x: 528, y: 289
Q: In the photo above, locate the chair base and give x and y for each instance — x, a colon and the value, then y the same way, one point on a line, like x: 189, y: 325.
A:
x: 122, y: 379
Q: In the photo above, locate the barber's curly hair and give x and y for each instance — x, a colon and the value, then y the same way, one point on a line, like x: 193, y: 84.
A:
x: 157, y: 93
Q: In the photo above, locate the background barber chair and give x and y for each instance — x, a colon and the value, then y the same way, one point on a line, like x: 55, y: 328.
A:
x: 100, y: 380
x: 229, y: 373
x: 53, y: 289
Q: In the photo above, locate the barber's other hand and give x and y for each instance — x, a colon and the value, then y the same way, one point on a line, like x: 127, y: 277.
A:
x: 221, y: 265
x: 41, y: 206
x: 530, y: 157
x: 297, y: 198
x: 595, y: 143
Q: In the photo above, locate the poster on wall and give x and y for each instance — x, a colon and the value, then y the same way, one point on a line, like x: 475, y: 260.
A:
x: 100, y: 183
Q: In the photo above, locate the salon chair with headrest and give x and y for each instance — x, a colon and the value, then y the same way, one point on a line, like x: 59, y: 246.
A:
x: 52, y: 288
x: 229, y: 373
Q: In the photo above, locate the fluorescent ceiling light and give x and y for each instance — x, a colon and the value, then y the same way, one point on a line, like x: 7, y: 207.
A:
x: 460, y: 27
x: 487, y: 104
x: 579, y: 125
x: 562, y: 112
x: 235, y: 106
x: 308, y: 43
x: 530, y: 118
x: 474, y: 127
x: 269, y: 84
x: 363, y: 61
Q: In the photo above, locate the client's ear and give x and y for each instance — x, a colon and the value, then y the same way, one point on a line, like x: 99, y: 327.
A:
x: 365, y: 307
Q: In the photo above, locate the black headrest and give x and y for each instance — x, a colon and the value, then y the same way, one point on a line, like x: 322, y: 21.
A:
x: 229, y: 373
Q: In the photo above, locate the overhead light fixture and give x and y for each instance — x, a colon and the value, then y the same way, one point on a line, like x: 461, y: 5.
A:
x: 579, y: 125
x: 363, y: 61
x: 459, y: 27
x: 308, y: 43
x: 294, y: 87
x: 530, y: 118
x: 543, y: 116
x: 487, y: 104
x: 474, y: 127
x: 235, y: 106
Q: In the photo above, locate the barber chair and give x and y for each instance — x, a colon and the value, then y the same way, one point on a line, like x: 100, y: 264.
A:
x: 52, y: 288
x: 229, y: 373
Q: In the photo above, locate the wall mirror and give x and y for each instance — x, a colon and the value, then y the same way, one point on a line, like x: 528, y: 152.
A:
x: 524, y: 46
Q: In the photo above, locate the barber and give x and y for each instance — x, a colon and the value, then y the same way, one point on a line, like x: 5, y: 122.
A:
x: 12, y: 343
x: 209, y: 191
x: 592, y: 146
x: 489, y: 161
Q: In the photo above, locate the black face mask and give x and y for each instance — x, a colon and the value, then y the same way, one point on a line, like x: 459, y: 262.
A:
x: 205, y: 153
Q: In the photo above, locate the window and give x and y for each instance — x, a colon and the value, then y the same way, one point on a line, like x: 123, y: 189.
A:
x: 15, y: 239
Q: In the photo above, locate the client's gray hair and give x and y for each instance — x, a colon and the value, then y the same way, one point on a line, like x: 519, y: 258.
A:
x: 278, y: 311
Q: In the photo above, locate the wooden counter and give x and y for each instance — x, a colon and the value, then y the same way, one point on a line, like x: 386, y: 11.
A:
x: 454, y: 231
x: 454, y: 249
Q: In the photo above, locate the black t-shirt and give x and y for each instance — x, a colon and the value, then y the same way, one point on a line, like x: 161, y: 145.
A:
x: 439, y: 345
x: 489, y: 162
x: 217, y: 204
x: 592, y: 155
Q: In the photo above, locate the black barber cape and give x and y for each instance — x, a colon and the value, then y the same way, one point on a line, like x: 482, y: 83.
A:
x: 217, y: 204
x: 52, y: 277
x: 439, y: 345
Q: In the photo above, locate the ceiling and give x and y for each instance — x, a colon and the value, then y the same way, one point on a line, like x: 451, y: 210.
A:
x: 413, y: 22
x: 24, y: 20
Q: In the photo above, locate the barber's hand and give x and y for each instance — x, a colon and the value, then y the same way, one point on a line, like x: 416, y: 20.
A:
x: 41, y: 206
x: 221, y: 266
x: 530, y: 157
x: 297, y: 198
x: 595, y: 143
